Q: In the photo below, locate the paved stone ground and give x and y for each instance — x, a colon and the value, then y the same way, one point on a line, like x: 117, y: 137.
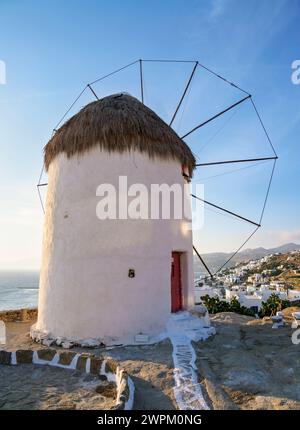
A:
x: 29, y: 386
x: 151, y: 367
x: 248, y: 365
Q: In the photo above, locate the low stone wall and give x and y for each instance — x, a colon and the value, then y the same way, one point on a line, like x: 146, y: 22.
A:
x: 84, y: 362
x: 18, y: 315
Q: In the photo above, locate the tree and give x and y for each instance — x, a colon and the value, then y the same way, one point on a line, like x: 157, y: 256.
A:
x: 272, y: 305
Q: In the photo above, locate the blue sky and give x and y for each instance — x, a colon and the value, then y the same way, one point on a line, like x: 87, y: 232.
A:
x: 52, y: 49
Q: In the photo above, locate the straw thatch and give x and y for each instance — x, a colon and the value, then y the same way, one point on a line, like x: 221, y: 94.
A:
x: 120, y: 123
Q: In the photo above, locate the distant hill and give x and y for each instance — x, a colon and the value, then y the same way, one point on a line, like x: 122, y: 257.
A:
x: 215, y: 260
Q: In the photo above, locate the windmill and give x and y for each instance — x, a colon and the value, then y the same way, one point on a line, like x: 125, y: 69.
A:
x: 139, y: 67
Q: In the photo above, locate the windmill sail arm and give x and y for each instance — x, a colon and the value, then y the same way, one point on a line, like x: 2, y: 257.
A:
x: 202, y: 261
x: 226, y: 210
x: 215, y: 116
x: 184, y: 93
x: 246, y: 160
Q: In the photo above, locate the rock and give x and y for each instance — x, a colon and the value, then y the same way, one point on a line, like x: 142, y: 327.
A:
x: 60, y: 340
x: 123, y: 399
x: 81, y: 362
x: 2, y: 333
x: 24, y: 356
x: 67, y: 345
x: 66, y: 358
x: 107, y: 390
x: 90, y: 343
x: 103, y: 378
x: 124, y: 388
x: 5, y: 357
x: 46, y: 354
x: 96, y: 363
x: 37, y: 335
x: 252, y: 380
x: 48, y: 342
x: 119, y: 407
x: 111, y: 366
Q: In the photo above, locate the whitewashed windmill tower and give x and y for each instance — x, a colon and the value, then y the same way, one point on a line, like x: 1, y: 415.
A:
x: 112, y: 279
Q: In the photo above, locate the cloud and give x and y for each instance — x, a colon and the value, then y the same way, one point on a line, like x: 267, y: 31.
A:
x: 289, y: 236
x: 273, y: 238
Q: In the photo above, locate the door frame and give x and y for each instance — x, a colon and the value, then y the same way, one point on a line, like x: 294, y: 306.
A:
x: 176, y: 282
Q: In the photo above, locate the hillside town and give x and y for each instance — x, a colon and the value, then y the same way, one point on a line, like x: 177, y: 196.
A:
x: 253, y: 282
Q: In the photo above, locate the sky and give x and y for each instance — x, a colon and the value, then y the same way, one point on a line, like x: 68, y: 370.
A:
x: 53, y: 49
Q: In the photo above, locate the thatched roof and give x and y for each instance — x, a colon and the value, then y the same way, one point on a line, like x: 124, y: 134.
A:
x: 118, y: 123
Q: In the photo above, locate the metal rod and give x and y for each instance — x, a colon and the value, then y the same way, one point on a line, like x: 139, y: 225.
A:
x: 66, y: 113
x: 238, y: 250
x: 202, y: 261
x: 89, y: 86
x: 42, y: 185
x: 40, y: 197
x: 225, y: 210
x: 215, y: 116
x: 169, y: 61
x: 224, y: 79
x: 264, y: 128
x: 141, y: 78
x: 204, y: 67
x: 235, y: 161
x: 114, y: 72
x: 41, y: 174
x: 184, y: 92
x: 268, y: 191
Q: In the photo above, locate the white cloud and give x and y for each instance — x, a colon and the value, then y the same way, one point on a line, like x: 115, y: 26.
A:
x: 274, y: 238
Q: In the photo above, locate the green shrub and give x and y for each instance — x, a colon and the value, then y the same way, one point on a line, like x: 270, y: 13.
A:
x: 273, y: 305
x: 214, y: 305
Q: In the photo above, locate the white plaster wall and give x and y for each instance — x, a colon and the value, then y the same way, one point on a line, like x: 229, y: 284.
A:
x: 85, y: 290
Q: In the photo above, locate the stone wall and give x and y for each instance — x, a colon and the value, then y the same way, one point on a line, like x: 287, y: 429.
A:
x: 84, y: 362
x: 19, y: 315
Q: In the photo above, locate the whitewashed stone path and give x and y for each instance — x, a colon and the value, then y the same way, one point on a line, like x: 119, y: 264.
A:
x: 182, y: 329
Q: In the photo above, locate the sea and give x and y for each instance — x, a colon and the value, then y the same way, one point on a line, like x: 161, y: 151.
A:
x: 18, y: 289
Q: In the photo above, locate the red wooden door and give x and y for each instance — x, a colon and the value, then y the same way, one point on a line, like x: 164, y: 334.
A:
x: 176, y: 294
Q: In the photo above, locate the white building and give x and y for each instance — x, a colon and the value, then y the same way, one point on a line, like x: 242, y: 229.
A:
x: 230, y: 294
x: 294, y: 295
x: 252, y: 301
x: 112, y: 279
x: 206, y: 291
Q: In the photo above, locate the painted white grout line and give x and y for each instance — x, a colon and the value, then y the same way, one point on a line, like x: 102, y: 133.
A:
x: 117, y: 378
x: 182, y: 328
x: 88, y: 365
x: 55, y: 360
x: 13, y: 358
x: 129, y: 404
x: 187, y: 390
x: 111, y: 377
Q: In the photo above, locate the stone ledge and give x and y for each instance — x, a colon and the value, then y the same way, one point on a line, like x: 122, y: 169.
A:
x: 89, y: 363
x: 48, y: 339
x: 18, y: 315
